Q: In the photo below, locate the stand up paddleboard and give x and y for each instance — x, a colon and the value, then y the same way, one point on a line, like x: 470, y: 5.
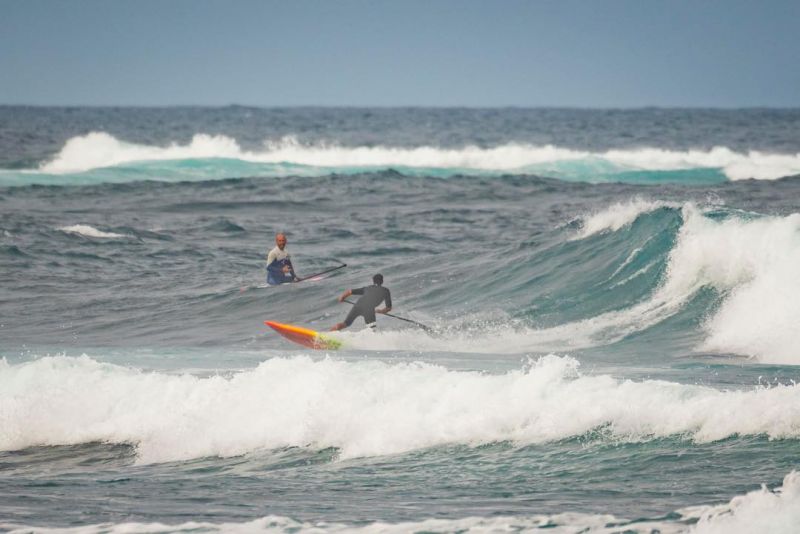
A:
x: 304, y: 336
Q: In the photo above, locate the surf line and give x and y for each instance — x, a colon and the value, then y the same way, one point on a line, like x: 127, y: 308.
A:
x: 424, y: 327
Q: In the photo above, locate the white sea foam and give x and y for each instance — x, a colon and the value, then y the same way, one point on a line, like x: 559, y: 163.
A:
x: 364, y: 408
x: 555, y: 524
x: 755, y: 263
x: 735, y: 165
x: 90, y: 231
x: 758, y: 511
x: 100, y: 149
x: 773, y: 512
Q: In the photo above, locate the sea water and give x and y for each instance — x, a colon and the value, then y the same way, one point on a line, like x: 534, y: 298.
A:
x: 614, y: 298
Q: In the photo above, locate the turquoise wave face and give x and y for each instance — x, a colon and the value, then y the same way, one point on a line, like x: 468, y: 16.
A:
x: 618, y: 269
x: 204, y: 169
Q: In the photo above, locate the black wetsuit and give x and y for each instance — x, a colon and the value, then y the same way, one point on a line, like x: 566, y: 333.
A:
x: 372, y: 296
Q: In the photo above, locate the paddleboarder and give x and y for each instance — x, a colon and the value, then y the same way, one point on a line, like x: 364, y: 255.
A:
x: 371, y: 297
x: 279, y: 264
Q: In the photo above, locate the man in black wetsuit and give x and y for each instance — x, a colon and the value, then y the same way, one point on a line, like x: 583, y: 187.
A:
x: 371, y: 297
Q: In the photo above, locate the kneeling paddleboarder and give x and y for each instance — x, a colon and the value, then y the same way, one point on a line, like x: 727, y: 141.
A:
x: 371, y: 297
x: 279, y: 264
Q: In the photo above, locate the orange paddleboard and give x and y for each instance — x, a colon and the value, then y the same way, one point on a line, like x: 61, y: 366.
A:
x: 304, y: 336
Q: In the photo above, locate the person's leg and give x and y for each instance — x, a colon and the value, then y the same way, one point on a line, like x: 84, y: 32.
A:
x: 369, y: 318
x: 354, y: 312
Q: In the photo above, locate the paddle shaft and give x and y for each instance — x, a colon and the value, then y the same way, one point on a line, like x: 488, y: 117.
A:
x: 424, y: 327
x: 323, y: 272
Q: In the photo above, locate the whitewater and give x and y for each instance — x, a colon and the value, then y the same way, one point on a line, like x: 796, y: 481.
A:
x: 366, y: 409
x: 611, y: 299
x: 220, y: 156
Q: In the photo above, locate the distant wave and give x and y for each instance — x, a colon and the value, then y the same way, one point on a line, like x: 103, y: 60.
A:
x: 98, y: 150
x: 776, y: 511
x: 319, y: 404
x: 90, y: 231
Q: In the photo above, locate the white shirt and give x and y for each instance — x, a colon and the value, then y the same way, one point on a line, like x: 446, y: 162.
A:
x: 277, y: 254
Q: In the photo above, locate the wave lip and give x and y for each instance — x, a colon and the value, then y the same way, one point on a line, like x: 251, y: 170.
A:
x: 101, y: 150
x: 619, y: 215
x: 364, y: 408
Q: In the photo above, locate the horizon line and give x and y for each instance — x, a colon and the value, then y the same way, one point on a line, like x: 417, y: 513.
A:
x: 403, y: 106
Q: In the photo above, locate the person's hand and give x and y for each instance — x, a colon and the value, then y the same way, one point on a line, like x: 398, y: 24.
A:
x: 341, y: 298
x: 285, y: 269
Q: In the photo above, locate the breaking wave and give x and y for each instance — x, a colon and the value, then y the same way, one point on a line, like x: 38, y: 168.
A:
x: 219, y: 156
x: 364, y: 408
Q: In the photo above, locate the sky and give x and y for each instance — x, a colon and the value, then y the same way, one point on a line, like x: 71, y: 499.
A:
x: 554, y: 53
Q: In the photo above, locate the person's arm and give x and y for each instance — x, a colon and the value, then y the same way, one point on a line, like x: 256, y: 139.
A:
x: 291, y: 270
x: 388, y: 301
x: 345, y: 295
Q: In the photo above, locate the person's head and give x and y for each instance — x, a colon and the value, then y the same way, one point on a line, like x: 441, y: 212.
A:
x: 377, y: 279
x: 280, y: 240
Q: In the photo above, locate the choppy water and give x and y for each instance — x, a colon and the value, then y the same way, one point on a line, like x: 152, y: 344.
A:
x: 614, y: 296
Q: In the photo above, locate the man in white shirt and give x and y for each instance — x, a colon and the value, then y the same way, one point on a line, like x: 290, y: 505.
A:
x: 279, y: 265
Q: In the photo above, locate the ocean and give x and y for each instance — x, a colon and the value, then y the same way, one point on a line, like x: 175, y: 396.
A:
x: 613, y: 298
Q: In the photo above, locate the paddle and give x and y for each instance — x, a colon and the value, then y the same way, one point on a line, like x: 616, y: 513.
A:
x: 424, y: 327
x: 342, y: 266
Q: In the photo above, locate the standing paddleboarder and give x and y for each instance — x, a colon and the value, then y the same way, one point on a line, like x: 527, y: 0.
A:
x: 371, y: 297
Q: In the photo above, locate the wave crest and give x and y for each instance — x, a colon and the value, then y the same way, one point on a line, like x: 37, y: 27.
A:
x: 619, y: 215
